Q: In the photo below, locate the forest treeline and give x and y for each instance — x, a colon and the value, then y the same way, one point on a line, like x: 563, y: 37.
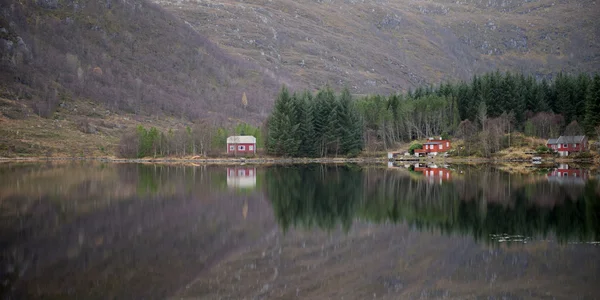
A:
x: 307, y: 125
x: 485, y: 108
x: 484, y: 112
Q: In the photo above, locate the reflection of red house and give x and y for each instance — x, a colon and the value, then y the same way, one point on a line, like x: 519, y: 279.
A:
x: 435, y: 173
x: 433, y: 147
x: 242, y: 144
x: 564, y: 175
x: 241, y: 177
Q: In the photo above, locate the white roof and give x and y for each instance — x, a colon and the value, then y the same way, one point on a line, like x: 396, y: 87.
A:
x: 241, y: 139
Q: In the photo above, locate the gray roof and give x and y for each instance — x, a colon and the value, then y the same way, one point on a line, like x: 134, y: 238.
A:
x: 570, y: 139
x: 552, y: 141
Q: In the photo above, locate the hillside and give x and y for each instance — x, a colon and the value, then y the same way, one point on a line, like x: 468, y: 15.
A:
x: 75, y: 75
x: 129, y: 56
x: 385, y: 46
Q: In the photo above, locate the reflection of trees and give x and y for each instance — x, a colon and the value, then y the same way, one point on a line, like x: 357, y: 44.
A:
x: 314, y: 195
x: 484, y: 202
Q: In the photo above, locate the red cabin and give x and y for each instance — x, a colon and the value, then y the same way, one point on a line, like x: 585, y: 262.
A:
x: 433, y: 147
x: 565, y: 145
x: 242, y: 144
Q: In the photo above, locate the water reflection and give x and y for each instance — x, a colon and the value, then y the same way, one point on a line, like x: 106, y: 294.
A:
x: 241, y: 177
x: 482, y: 201
x: 568, y: 176
x: 116, y: 231
x: 130, y: 231
x: 433, y: 173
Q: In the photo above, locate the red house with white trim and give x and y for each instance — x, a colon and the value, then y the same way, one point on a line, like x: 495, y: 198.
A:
x: 241, y: 144
x: 565, y: 145
x: 434, y: 147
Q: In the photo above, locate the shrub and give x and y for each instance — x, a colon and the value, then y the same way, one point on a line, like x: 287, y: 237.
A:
x: 543, y: 149
x: 129, y: 144
x: 414, y: 146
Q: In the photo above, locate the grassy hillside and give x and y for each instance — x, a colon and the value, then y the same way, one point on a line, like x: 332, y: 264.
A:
x: 384, y: 46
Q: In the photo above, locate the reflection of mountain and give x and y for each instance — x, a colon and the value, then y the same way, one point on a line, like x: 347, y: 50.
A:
x: 79, y: 238
x: 241, y: 177
x: 326, y: 196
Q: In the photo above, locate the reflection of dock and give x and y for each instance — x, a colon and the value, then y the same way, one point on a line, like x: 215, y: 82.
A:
x: 241, y: 177
x: 568, y: 176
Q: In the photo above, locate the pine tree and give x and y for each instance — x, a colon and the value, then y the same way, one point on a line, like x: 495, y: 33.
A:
x: 580, y: 89
x: 592, y: 106
x: 350, y: 127
x: 323, y: 104
x: 515, y: 93
x: 564, y: 100
x: 333, y: 132
x: 549, y: 94
x: 282, y: 135
x: 463, y: 101
x: 306, y: 131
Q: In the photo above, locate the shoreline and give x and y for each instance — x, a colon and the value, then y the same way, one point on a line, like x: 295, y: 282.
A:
x: 282, y: 160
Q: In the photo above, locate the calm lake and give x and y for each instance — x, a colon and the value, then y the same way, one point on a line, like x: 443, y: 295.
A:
x: 83, y: 230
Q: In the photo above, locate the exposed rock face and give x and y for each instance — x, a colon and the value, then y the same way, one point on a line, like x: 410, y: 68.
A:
x: 48, y: 4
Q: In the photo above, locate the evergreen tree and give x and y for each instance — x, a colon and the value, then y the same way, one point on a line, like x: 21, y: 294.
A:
x: 580, y: 90
x: 514, y: 92
x: 463, y: 100
x: 592, y: 106
x: 306, y: 130
x: 549, y: 94
x: 564, y: 97
x: 323, y: 105
x: 350, y: 126
x: 333, y: 131
x: 282, y: 135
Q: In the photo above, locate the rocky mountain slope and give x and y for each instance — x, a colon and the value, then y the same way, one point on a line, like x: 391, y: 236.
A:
x: 130, y: 56
x: 385, y: 46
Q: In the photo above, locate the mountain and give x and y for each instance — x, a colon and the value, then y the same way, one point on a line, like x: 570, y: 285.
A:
x: 387, y: 46
x: 130, y: 56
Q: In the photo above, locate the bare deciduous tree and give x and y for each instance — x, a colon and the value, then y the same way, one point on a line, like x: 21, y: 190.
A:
x: 573, y: 129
